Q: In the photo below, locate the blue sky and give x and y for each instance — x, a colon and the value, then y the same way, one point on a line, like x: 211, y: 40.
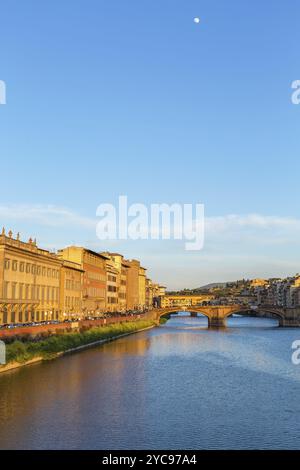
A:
x: 112, y: 97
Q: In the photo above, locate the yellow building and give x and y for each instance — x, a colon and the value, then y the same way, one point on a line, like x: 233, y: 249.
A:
x: 142, y: 287
x: 112, y: 286
x: 121, y: 266
x: 149, y: 293
x: 296, y: 282
x: 162, y: 291
x: 123, y: 286
x: 29, y: 281
x: 184, y: 300
x: 71, y: 279
x: 128, y: 283
x: 133, y: 284
x: 94, y: 278
x: 37, y: 285
x: 258, y: 283
x: 136, y: 285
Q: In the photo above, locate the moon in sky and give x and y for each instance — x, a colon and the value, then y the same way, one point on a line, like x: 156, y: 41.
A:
x: 197, y: 20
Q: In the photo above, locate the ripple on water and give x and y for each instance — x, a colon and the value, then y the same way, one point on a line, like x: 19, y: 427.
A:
x: 178, y: 386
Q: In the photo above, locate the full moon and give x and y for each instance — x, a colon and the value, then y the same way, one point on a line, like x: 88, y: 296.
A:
x: 197, y: 20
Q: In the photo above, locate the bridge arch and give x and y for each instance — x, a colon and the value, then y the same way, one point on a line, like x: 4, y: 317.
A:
x: 276, y: 313
x: 169, y: 311
x: 218, y: 314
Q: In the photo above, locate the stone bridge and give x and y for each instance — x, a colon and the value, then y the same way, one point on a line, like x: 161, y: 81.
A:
x: 217, y: 314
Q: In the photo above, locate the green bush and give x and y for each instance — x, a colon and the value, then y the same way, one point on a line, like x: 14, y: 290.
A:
x: 19, y: 351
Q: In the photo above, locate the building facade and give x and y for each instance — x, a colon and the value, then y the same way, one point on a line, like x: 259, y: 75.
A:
x: 185, y: 300
x: 282, y: 292
x: 142, y: 288
x: 37, y: 285
x: 149, y: 293
x: 94, y: 278
x: 120, y: 267
x: 133, y: 284
x: 71, y: 281
x: 112, y: 286
x: 29, y: 282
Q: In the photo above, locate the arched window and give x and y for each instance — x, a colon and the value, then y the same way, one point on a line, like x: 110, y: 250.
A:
x: 5, y: 315
x: 13, y: 317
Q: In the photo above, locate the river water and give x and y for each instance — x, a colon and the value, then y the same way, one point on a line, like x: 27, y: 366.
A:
x: 179, y: 386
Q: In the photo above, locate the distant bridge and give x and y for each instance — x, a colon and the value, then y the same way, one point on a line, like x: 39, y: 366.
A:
x: 217, y: 314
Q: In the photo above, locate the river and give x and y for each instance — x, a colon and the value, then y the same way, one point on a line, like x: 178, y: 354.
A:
x: 179, y: 386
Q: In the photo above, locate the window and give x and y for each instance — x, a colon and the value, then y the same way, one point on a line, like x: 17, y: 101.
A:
x: 43, y: 271
x: 13, y: 290
x: 22, y: 266
x: 21, y: 291
x: 48, y: 272
x: 5, y: 315
x: 7, y: 264
x: 5, y: 290
x: 14, y: 265
x: 27, y: 268
x: 33, y: 269
x: 38, y: 270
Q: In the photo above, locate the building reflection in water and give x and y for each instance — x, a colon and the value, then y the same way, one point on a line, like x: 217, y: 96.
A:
x: 30, y: 394
x: 108, y: 392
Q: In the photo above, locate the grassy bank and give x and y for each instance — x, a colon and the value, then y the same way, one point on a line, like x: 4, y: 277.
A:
x: 50, y: 347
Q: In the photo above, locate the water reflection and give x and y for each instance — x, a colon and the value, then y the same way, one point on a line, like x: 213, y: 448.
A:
x: 181, y: 385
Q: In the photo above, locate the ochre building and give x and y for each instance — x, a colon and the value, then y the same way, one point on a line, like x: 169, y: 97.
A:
x: 184, y: 300
x: 29, y: 281
x: 93, y: 266
x: 71, y: 279
x: 37, y: 285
